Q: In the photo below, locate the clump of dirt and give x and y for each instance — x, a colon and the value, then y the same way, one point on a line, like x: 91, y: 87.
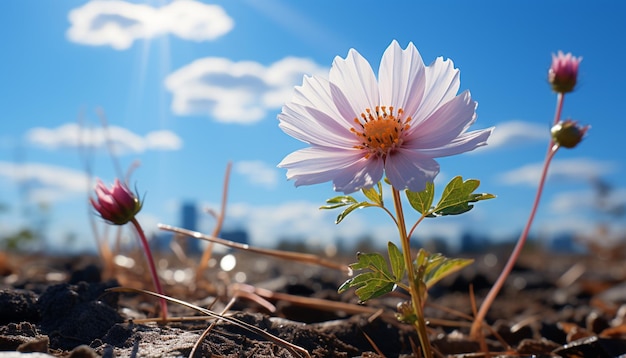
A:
x: 568, y: 306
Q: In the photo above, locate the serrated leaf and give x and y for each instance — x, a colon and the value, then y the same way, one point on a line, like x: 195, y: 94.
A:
x: 422, y: 201
x: 338, y: 202
x: 377, y: 282
x: 350, y: 209
x: 396, y: 260
x: 374, y: 195
x: 464, y: 207
x: 432, y: 268
x: 373, y: 261
x: 369, y: 285
x: 457, y: 195
x: 445, y: 268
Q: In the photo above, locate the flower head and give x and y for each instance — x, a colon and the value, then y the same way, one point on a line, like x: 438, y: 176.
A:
x: 117, y: 205
x: 563, y: 73
x: 360, y: 127
x: 568, y: 133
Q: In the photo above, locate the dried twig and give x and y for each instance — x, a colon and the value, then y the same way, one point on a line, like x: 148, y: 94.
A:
x: 287, y: 255
x: 206, y: 255
x: 294, y: 349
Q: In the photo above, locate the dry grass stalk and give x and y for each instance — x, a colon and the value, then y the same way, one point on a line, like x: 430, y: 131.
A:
x: 206, y: 255
x: 287, y: 255
x: 294, y: 349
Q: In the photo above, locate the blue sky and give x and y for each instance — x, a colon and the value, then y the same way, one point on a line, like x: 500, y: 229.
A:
x: 187, y: 86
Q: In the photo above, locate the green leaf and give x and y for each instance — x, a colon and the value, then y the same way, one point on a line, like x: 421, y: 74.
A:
x: 350, y: 209
x: 445, y: 268
x: 377, y: 282
x: 338, y: 202
x: 431, y: 268
x: 345, y: 200
x: 397, y: 261
x: 369, y: 285
x: 376, y: 196
x: 373, y: 261
x: 422, y: 201
x: 457, y: 195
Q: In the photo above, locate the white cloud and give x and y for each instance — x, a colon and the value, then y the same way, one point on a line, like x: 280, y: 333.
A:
x: 511, y: 133
x: 258, y: 173
x: 149, y: 223
x: 163, y: 140
x: 580, y: 169
x: 574, y: 201
x: 46, y: 183
x: 236, y: 92
x: 577, y: 225
x: 123, y: 141
x: 119, y: 23
x: 300, y: 220
x: 571, y: 201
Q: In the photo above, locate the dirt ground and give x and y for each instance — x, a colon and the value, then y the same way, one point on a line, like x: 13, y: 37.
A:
x: 552, y: 306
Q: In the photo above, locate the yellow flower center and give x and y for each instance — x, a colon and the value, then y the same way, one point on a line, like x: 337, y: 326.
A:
x: 381, y: 131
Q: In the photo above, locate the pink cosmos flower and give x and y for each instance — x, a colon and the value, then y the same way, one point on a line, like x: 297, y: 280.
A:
x: 360, y: 127
x: 117, y: 205
x: 563, y: 73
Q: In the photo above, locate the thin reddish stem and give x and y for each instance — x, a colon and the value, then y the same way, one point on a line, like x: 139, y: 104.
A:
x: 559, y: 107
x: 495, y: 289
x: 153, y: 271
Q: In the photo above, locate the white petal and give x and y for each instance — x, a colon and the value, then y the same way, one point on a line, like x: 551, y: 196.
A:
x: 315, y: 93
x: 443, y: 125
x: 318, y: 164
x: 362, y: 174
x: 410, y: 170
x: 314, y: 127
x: 401, y: 78
x: 441, y: 85
x: 464, y: 143
x: 353, y: 85
x: 349, y: 170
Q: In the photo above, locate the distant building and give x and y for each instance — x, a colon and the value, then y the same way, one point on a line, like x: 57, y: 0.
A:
x: 189, y: 216
x: 237, y: 235
x: 188, y: 220
x: 470, y: 243
x: 564, y: 243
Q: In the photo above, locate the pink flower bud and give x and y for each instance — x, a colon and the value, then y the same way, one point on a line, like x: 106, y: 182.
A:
x: 564, y: 72
x: 117, y: 205
x: 568, y: 133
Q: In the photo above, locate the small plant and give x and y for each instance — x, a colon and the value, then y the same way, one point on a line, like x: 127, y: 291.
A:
x: 423, y: 271
x: 363, y: 131
x: 118, y: 206
x: 562, y: 76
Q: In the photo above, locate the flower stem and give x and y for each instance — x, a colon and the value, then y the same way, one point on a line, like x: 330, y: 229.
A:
x: 153, y: 271
x: 559, y: 107
x: 495, y: 289
x: 416, y: 299
x: 208, y: 251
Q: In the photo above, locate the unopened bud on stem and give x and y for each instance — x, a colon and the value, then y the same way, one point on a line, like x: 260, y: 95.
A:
x: 117, y: 205
x: 563, y: 73
x: 568, y: 133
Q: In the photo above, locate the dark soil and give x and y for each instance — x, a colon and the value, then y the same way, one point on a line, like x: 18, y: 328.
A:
x: 552, y: 306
